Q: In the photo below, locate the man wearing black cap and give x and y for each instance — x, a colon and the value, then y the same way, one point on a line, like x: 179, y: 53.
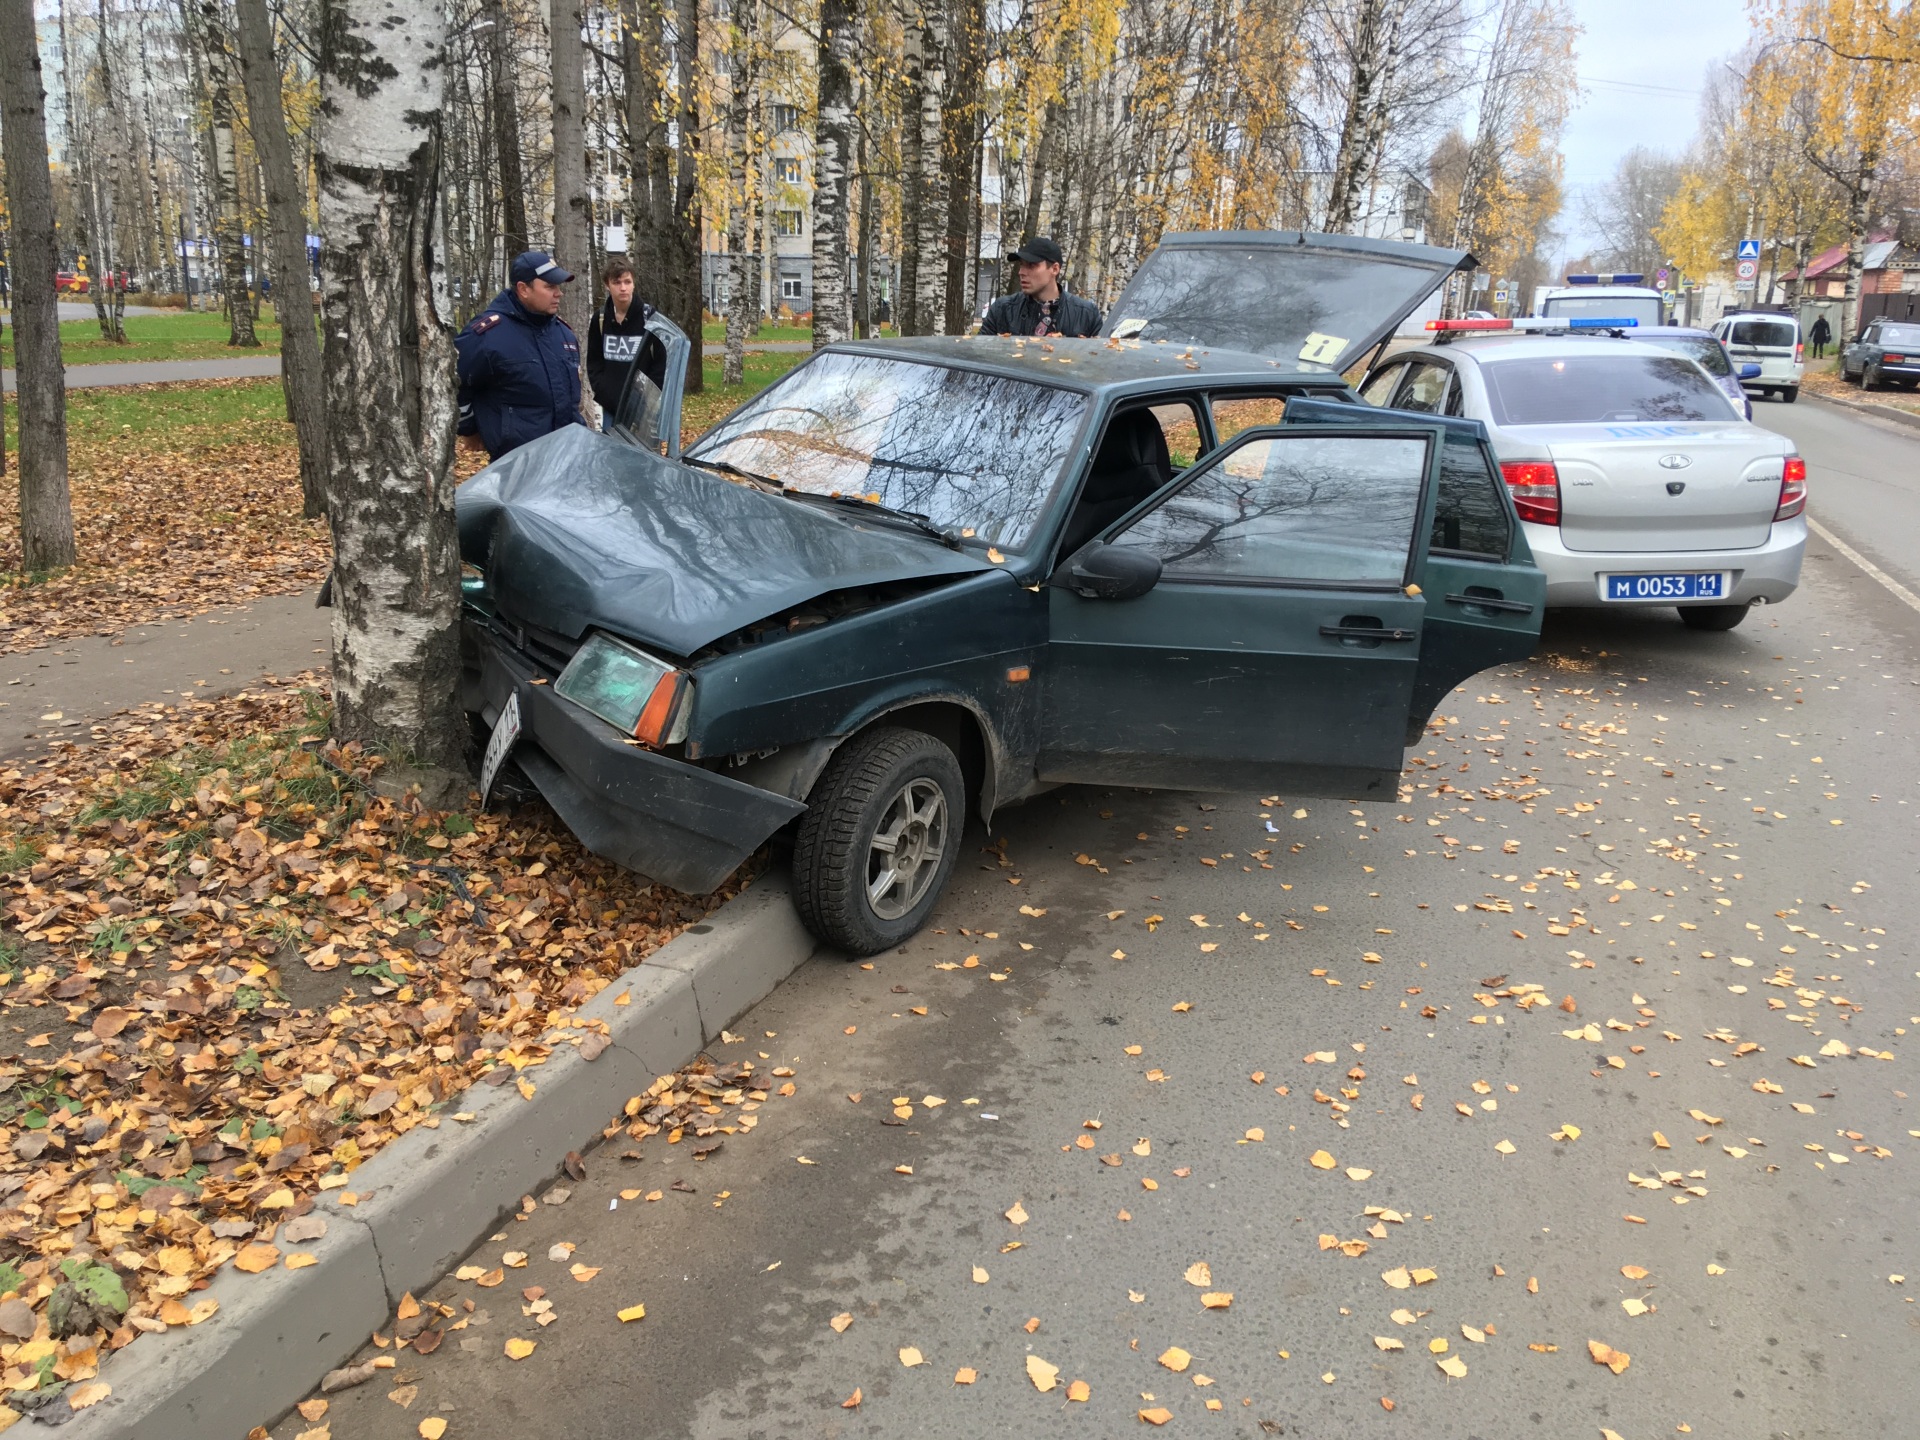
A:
x: 519, y: 361
x: 1041, y: 307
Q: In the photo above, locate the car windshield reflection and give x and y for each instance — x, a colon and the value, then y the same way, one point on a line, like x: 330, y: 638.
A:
x: 975, y: 454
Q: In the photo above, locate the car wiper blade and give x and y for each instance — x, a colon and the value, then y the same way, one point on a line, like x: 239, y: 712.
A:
x: 914, y: 518
x: 727, y: 467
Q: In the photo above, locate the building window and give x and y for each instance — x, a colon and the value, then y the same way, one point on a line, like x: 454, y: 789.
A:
x: 790, y: 287
x: 789, y: 222
x: 785, y: 117
x: 786, y: 170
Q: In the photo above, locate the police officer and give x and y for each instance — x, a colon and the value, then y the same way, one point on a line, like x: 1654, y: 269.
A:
x: 519, y: 361
x: 1043, y: 306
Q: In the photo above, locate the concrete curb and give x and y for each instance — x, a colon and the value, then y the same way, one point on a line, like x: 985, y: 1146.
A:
x: 428, y: 1197
x: 1868, y: 407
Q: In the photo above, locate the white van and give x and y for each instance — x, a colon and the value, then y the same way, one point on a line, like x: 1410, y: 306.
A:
x: 1770, y: 340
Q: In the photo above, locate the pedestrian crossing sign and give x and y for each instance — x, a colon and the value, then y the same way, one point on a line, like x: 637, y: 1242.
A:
x: 1749, y: 250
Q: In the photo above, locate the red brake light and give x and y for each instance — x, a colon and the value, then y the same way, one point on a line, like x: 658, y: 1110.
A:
x: 1799, y: 352
x: 1793, y: 489
x: 1535, y: 487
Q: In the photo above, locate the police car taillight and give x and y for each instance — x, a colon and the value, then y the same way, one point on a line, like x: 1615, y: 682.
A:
x: 1793, y: 489
x: 1535, y: 487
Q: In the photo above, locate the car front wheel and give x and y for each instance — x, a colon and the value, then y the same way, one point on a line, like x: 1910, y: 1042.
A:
x: 879, y: 839
x: 1712, y: 617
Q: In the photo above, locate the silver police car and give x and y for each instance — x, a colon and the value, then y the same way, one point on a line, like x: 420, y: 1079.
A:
x: 1638, y: 480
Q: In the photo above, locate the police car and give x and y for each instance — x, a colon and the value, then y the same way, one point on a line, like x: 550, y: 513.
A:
x: 1638, y: 481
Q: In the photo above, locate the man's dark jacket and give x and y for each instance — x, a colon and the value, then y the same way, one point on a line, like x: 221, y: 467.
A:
x: 613, y: 345
x: 519, y: 375
x: 1019, y: 313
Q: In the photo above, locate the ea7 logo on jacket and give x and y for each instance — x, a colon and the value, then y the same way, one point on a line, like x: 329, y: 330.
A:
x: 620, y: 349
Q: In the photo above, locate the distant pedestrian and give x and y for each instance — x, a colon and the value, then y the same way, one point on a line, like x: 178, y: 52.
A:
x: 1044, y: 306
x: 1821, y: 335
x: 617, y: 340
x: 519, y: 361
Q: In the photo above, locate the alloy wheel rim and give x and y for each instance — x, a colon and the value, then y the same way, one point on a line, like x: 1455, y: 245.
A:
x: 907, y: 846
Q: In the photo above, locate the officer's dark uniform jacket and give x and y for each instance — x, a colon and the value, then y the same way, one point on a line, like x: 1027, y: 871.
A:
x: 519, y: 375
x: 1019, y: 314
x: 615, y: 345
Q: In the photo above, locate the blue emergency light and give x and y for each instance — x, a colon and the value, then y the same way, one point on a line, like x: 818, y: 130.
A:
x: 1620, y: 278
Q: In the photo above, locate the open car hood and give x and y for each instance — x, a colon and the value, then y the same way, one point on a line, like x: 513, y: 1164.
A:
x: 1321, y: 301
x: 579, y: 530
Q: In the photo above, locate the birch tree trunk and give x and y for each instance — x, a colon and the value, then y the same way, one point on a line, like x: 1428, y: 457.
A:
x: 110, y: 261
x: 506, y: 133
x: 740, y: 77
x: 287, y: 223
x: 832, y: 147
x: 1363, y: 79
x: 46, y: 511
x: 923, y: 209
x: 227, y: 229
x: 390, y: 389
x: 687, y: 302
x: 863, y: 255
x: 570, y: 211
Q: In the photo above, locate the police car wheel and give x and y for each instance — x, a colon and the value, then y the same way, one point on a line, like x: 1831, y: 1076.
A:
x: 1712, y: 617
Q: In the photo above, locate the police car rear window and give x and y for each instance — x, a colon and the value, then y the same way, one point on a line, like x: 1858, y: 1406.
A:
x: 1764, y: 334
x: 1601, y: 390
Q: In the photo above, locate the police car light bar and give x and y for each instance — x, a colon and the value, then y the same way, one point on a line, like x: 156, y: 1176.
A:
x: 1547, y: 322
x: 1620, y: 278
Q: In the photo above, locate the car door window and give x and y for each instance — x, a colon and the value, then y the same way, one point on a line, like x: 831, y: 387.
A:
x: 1235, y: 414
x: 1300, y: 509
x: 1379, y: 390
x: 1469, y: 518
x: 1179, y: 422
x: 1424, y: 388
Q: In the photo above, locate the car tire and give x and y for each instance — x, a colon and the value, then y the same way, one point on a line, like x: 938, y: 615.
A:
x: 888, y: 779
x: 1790, y: 394
x: 1868, y: 379
x: 1713, y: 617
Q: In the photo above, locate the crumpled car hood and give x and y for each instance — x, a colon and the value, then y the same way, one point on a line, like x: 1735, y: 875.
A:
x: 579, y: 530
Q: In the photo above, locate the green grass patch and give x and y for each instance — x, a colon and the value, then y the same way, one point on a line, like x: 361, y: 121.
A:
x: 188, y: 335
x: 173, y: 418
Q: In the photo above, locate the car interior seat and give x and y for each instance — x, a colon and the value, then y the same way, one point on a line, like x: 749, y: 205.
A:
x: 1131, y: 464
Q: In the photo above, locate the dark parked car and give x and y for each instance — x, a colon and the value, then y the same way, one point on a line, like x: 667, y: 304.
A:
x: 916, y: 581
x: 1886, y: 350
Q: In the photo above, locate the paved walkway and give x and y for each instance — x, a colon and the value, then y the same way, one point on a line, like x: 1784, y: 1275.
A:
x: 58, y: 691
x: 156, y: 372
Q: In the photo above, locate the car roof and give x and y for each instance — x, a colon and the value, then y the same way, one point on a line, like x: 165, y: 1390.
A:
x: 1689, y: 332
x: 1635, y: 290
x: 1096, y: 364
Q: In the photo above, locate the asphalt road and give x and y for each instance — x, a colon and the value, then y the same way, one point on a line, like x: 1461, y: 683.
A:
x: 1699, y: 845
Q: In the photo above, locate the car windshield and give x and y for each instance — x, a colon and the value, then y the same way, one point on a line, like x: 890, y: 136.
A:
x: 976, y: 454
x: 1643, y: 308
x: 1900, y: 335
x: 1703, y: 350
x: 1764, y: 334
x: 1601, y: 389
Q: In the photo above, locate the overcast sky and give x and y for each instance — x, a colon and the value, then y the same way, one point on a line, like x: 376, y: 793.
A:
x: 1641, y: 68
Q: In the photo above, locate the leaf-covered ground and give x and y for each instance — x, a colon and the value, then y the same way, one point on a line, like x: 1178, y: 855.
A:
x: 229, y: 973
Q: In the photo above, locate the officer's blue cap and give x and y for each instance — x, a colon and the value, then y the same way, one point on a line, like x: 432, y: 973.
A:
x: 531, y: 265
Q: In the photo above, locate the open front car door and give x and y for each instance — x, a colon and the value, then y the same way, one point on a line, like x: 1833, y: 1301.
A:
x: 648, y: 412
x: 1255, y: 626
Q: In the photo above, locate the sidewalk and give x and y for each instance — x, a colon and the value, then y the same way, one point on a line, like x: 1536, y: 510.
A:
x: 57, y: 691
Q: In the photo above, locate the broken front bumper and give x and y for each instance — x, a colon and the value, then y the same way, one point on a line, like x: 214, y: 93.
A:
x: 670, y: 821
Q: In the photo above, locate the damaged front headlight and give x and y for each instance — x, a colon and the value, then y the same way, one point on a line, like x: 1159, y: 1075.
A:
x: 636, y: 693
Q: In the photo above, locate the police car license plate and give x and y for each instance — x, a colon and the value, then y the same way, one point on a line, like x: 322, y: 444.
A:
x: 1683, y: 585
x: 499, y: 745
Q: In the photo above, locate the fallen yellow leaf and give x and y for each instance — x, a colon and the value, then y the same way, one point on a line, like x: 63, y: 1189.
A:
x: 840, y: 1322
x: 1018, y: 1214
x: 965, y: 1375
x: 432, y: 1428
x: 632, y: 1312
x: 1216, y: 1299
x: 1321, y: 1160
x: 1043, y: 1375
x: 1080, y: 1391
x: 910, y: 1357
x: 518, y: 1349
x: 1159, y: 1415
x: 1175, y: 1359
x: 1200, y: 1274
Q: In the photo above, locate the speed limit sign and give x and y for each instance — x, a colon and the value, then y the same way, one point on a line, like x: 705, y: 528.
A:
x: 1747, y: 269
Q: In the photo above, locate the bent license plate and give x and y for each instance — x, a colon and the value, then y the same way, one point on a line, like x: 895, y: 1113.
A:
x: 1682, y: 585
x: 499, y: 745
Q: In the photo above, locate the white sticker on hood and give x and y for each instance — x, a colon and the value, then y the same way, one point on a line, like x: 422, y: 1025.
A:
x: 1322, y: 349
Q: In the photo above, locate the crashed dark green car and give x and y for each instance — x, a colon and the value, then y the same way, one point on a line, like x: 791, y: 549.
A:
x: 916, y: 581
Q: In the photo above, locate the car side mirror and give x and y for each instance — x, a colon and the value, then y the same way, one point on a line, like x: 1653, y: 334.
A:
x: 1749, y: 371
x: 1109, y: 572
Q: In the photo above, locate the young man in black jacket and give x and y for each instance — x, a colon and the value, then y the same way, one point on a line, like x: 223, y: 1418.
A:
x: 1041, y: 307
x: 617, y: 338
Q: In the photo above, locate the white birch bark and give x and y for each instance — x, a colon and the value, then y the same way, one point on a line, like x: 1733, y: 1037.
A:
x: 390, y: 387
x: 832, y: 153
x: 740, y: 308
